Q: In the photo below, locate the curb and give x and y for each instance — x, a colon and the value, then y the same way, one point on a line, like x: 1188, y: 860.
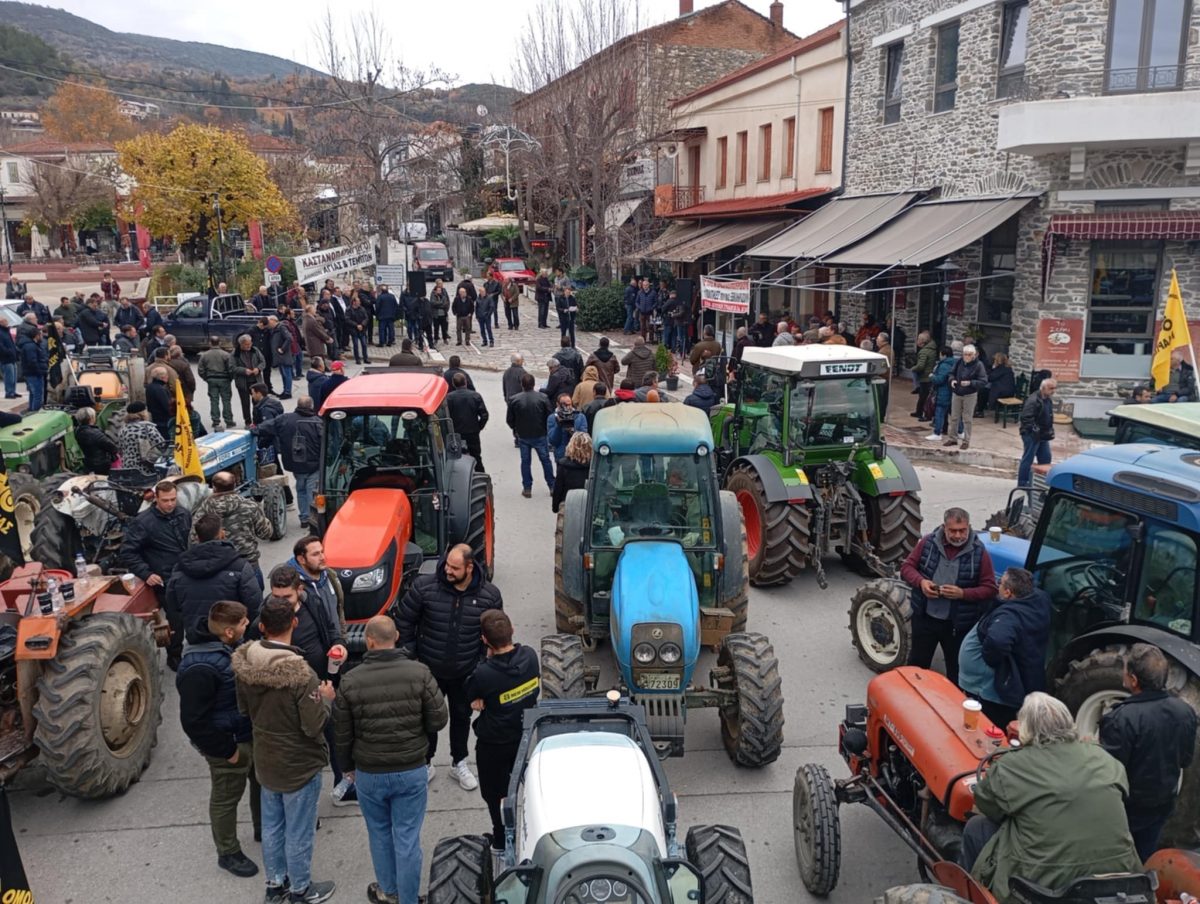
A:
x: 975, y: 461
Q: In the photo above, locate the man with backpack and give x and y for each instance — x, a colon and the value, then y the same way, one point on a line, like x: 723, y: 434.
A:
x: 297, y: 438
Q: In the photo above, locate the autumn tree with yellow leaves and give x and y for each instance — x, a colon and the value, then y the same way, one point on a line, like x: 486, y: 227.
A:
x: 175, y: 179
x: 81, y: 112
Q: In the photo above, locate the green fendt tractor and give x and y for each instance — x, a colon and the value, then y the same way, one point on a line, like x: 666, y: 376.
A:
x: 801, y: 447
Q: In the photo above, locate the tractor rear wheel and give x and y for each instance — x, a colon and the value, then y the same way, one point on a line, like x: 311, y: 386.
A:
x: 817, y: 829
x: 99, y: 706
x: 751, y: 729
x: 274, y: 505
x: 562, y: 667
x: 481, y: 532
x: 1092, y: 685
x: 28, y: 496
x: 778, y: 534
x: 568, y: 612
x: 893, y: 527
x: 55, y: 539
x: 740, y: 604
x: 879, y: 623
x: 720, y: 854
x: 460, y: 871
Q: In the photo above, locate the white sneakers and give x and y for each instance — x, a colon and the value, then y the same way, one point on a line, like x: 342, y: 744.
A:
x: 462, y: 774
x: 934, y: 437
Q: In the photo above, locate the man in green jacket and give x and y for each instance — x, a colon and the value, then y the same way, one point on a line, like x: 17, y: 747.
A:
x: 1051, y: 811
x: 288, y: 709
x: 382, y: 718
x: 216, y: 370
x: 923, y: 371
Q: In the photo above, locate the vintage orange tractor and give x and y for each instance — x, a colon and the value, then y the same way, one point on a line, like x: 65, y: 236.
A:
x: 396, y: 489
x: 914, y: 762
x: 80, y: 680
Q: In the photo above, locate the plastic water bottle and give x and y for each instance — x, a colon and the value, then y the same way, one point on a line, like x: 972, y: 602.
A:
x: 80, y: 566
x: 340, y: 789
x: 56, y: 597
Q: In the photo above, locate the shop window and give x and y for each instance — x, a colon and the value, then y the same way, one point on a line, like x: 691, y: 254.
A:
x: 893, y: 83
x: 946, y: 68
x: 13, y: 173
x: 1014, y: 33
x: 1123, y: 299
x: 1146, y: 40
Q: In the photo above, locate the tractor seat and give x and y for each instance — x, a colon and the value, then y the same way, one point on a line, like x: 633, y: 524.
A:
x: 1128, y: 888
x: 388, y: 478
x: 650, y: 504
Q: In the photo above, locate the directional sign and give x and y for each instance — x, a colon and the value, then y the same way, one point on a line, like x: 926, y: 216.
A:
x: 274, y: 264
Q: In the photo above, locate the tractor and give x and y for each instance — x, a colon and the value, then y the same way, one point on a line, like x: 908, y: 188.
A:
x: 652, y: 557
x: 609, y: 840
x: 801, y: 448
x: 913, y: 761
x: 106, y: 379
x: 1115, y: 549
x: 396, y: 490
x: 81, y: 688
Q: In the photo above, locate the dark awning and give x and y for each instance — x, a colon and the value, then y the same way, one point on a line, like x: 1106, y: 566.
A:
x: 1168, y: 225
x: 673, y: 236
x: 839, y: 223
x: 739, y: 232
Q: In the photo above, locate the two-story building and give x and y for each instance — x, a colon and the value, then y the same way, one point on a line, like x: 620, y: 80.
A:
x: 1025, y: 172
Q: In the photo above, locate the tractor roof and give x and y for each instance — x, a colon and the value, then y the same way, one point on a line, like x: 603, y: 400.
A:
x: 817, y: 361
x: 668, y: 428
x: 1182, y: 417
x: 404, y: 389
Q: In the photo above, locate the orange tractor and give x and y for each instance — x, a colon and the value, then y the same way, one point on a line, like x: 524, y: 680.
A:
x: 396, y: 490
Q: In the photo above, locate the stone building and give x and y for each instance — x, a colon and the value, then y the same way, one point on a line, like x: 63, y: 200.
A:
x: 1015, y: 167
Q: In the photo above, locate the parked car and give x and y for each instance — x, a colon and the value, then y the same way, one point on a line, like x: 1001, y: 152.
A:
x: 513, y: 268
x: 433, y: 260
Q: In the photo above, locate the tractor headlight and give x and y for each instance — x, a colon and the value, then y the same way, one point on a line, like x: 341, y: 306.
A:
x: 702, y: 450
x: 644, y: 653
x: 670, y: 653
x: 369, y: 580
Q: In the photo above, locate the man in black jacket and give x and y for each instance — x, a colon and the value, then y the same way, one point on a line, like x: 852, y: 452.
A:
x: 160, y: 403
x: 469, y: 414
x: 280, y: 338
x: 211, y: 571
x: 561, y: 380
x: 1153, y: 734
x: 153, y: 543
x: 528, y: 413
x: 8, y: 363
x: 93, y: 323
x: 297, y: 437
x: 1037, y: 429
x: 387, y: 308
x: 31, y: 306
x: 569, y: 355
x: 209, y: 714
x: 501, y: 688
x: 439, y: 623
x: 967, y: 380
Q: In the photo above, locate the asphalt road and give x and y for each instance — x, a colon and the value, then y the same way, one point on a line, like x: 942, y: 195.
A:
x: 153, y: 843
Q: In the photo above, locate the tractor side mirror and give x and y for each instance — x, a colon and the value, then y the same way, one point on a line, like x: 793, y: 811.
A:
x: 455, y: 446
x: 683, y: 881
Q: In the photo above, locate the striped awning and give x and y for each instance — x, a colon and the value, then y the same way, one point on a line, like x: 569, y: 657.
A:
x: 1168, y: 225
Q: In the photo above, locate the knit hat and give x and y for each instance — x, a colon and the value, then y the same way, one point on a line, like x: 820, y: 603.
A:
x: 337, y: 367
x: 135, y: 407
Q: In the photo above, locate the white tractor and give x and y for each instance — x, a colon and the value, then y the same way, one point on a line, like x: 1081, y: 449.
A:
x: 608, y: 840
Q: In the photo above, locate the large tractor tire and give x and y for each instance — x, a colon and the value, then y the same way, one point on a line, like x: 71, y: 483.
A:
x: 1092, y: 685
x: 752, y: 730
x: 893, y: 527
x: 481, y: 532
x: 880, y: 623
x: 562, y: 667
x: 55, y: 539
x: 274, y: 505
x: 568, y: 611
x: 777, y: 533
x: 817, y: 829
x: 460, y: 871
x: 920, y: 894
x: 99, y: 706
x: 720, y: 854
x: 28, y: 498
x: 740, y: 603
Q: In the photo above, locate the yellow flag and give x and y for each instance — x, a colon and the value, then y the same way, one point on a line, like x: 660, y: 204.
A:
x: 1173, y: 334
x: 187, y: 456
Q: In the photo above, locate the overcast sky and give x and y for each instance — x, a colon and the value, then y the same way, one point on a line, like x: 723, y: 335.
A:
x: 463, y: 37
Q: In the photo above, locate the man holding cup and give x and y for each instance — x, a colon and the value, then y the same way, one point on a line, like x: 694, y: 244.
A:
x: 952, y: 581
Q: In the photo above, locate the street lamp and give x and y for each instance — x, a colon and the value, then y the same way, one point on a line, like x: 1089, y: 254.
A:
x: 946, y: 270
x: 508, y: 137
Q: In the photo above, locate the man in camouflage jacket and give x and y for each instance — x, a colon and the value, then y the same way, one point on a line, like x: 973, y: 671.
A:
x: 242, y: 518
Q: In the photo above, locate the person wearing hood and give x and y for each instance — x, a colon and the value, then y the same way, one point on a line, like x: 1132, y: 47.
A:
x: 639, y: 361
x: 702, y: 395
x: 586, y: 390
x: 952, y: 579
x: 297, y: 437
x: 605, y: 362
x: 564, y: 423
x: 439, y: 622
x: 99, y: 450
x: 572, y: 470
x: 500, y: 689
x: 208, y: 572
x: 626, y: 392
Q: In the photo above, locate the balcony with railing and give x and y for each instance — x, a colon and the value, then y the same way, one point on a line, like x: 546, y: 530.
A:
x: 688, y: 196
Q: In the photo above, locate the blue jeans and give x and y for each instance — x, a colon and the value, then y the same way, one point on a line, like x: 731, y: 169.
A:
x: 1165, y: 396
x: 387, y: 331
x: 393, y: 807
x: 631, y: 322
x: 359, y: 342
x: 1033, y: 447
x: 566, y: 325
x: 941, y: 414
x: 528, y: 447
x: 486, y: 336
x: 289, y: 825
x: 298, y: 366
x: 37, y: 391
x: 10, y: 381
x: 306, y: 488
x: 285, y: 371
x: 412, y: 328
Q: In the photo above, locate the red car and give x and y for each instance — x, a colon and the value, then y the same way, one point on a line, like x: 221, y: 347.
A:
x: 513, y: 268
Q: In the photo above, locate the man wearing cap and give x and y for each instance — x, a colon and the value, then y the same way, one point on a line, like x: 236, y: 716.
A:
x: 337, y: 376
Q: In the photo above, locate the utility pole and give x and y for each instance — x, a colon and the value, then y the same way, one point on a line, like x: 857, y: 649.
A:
x: 7, y: 241
x: 220, y: 236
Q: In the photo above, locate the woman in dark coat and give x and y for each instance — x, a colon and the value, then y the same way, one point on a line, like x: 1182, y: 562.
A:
x: 1002, y: 384
x: 98, y: 448
x: 573, y: 469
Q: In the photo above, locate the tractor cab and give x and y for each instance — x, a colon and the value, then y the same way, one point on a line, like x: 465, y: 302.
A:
x: 1165, y: 425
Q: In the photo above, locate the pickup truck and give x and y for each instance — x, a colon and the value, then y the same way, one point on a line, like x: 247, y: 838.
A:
x: 198, y: 318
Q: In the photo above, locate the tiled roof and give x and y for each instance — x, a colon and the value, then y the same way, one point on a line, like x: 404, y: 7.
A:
x: 737, y: 206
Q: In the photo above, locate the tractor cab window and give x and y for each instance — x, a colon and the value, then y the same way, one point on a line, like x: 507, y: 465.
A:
x: 390, y: 449
x: 1083, y: 563
x: 652, y: 497
x: 843, y: 414
x: 1167, y: 589
x: 761, y: 410
x: 190, y: 310
x: 1135, y: 432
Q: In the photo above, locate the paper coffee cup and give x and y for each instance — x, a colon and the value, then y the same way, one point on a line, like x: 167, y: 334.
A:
x: 129, y: 581
x: 971, y: 711
x: 336, y: 658
x: 994, y: 533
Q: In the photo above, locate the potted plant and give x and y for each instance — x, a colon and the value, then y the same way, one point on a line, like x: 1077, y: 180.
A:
x: 662, y: 361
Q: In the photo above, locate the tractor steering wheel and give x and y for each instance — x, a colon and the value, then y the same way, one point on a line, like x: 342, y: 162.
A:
x: 986, y: 761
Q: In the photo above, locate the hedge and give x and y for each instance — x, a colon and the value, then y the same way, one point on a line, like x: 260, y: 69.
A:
x: 601, y: 308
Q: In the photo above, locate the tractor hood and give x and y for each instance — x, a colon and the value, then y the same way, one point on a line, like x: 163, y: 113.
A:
x: 654, y: 584
x: 219, y: 451
x: 366, y: 526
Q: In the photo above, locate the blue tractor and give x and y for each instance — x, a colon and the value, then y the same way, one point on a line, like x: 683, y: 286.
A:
x: 1114, y: 546
x: 651, y: 557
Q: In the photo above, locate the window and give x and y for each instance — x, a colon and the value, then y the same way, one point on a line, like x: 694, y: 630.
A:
x: 722, y: 160
x: 1167, y: 589
x: 999, y: 263
x: 1146, y: 45
x: 893, y: 82
x: 1123, y: 298
x: 743, y: 148
x: 14, y: 175
x: 764, y: 144
x: 789, y: 147
x: 946, y: 69
x: 825, y: 140
x: 1014, y: 31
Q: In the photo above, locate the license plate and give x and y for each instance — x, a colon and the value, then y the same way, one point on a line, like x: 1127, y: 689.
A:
x: 658, y: 681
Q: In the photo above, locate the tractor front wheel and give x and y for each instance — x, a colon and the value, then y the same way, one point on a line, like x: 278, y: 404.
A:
x: 879, y: 623
x: 816, y: 828
x: 740, y: 604
x: 460, y: 871
x: 720, y: 854
x: 562, y: 667
x: 778, y: 534
x: 274, y: 506
x: 99, y: 706
x: 481, y: 531
x: 751, y: 728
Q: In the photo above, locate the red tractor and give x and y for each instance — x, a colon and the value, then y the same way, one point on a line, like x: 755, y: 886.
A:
x: 396, y: 490
x: 913, y: 761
